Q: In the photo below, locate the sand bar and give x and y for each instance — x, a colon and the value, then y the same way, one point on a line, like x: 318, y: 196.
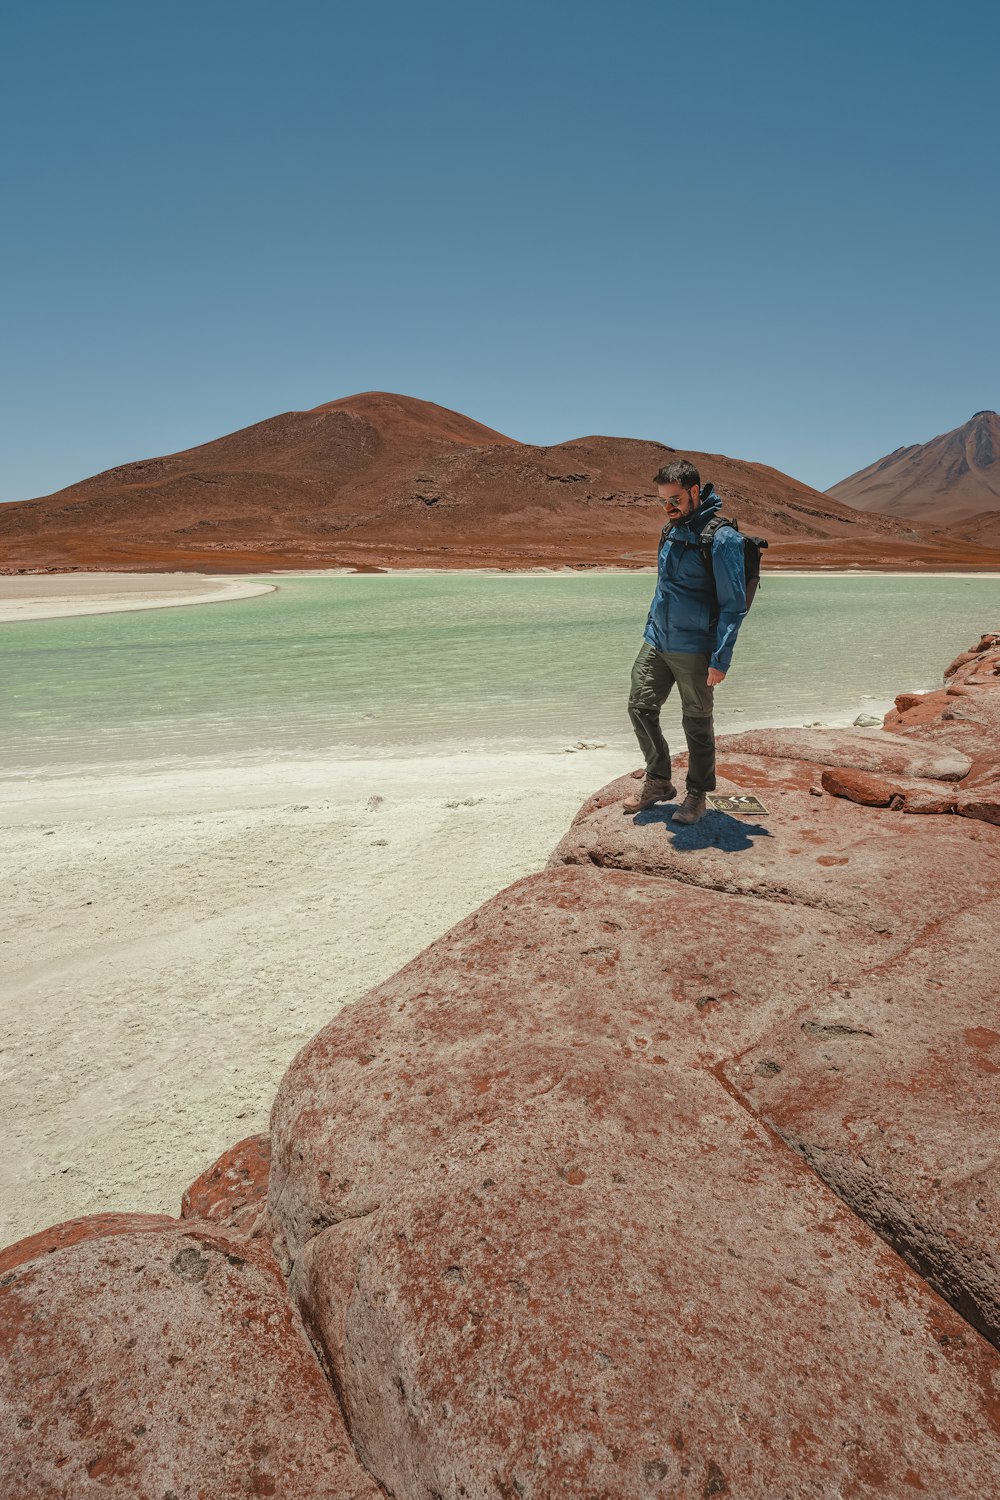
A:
x: 52, y: 596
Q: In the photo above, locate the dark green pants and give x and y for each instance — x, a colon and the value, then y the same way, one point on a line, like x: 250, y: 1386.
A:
x: 653, y: 675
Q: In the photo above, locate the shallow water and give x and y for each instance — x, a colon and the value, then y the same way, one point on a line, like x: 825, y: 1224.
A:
x: 385, y: 665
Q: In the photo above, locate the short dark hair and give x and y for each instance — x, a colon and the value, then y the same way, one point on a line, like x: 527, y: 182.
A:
x: 680, y: 472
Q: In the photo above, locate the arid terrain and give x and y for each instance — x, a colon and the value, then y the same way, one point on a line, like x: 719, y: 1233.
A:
x: 951, y: 482
x: 386, y: 481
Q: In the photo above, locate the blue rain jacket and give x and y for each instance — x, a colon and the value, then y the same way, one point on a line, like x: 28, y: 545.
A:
x: 685, y: 614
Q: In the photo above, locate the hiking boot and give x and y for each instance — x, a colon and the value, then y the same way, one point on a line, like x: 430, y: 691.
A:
x: 654, y: 789
x: 691, y: 809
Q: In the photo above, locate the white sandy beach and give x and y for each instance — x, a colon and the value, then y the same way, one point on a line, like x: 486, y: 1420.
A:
x: 168, y: 940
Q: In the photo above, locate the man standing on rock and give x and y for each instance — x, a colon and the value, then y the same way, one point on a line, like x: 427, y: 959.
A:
x: 696, y: 613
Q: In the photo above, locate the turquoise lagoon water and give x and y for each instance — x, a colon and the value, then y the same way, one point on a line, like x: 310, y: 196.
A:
x: 393, y: 665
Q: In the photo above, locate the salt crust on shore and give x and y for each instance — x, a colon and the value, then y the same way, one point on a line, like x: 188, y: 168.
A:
x: 169, y: 940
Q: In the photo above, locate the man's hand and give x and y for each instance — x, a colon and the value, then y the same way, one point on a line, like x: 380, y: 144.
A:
x: 715, y: 676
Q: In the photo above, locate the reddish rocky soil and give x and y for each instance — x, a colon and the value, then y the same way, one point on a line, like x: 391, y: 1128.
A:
x: 983, y: 530
x: 380, y: 480
x: 672, y: 1170
x: 952, y: 482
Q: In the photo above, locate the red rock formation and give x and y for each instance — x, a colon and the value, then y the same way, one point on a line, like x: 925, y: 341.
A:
x: 657, y: 1174
x: 232, y: 1192
x: 886, y: 1089
x: 903, y: 793
x: 864, y: 749
x: 549, y: 1247
x: 152, y: 1359
x: 385, y: 480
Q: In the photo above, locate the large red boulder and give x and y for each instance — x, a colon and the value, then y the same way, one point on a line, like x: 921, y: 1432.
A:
x: 906, y: 1028
x: 535, y: 1233
x: 888, y: 1085
x: 864, y: 863
x: 145, y: 1358
x: 571, y: 962
x: 627, y: 1286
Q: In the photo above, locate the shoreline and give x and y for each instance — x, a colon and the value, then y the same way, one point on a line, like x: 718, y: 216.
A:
x: 52, y: 596
x: 569, y: 572
x: 206, y: 772
x: 70, y: 594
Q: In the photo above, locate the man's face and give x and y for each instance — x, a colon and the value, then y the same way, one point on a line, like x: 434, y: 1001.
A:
x: 679, y: 502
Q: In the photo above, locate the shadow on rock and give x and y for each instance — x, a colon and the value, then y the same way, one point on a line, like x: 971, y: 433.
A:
x: 715, y: 830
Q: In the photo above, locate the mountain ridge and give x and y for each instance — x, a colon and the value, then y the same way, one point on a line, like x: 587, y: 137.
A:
x: 379, y: 479
x: 946, y: 481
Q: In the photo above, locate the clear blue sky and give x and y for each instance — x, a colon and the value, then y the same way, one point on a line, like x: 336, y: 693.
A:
x: 769, y: 230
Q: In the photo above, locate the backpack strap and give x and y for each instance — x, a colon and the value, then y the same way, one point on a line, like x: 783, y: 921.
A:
x: 708, y: 538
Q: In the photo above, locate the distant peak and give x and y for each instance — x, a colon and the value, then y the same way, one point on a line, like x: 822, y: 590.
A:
x: 977, y: 414
x: 393, y: 414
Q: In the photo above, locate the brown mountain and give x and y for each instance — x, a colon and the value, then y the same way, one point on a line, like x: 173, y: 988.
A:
x: 379, y: 480
x: 951, y: 479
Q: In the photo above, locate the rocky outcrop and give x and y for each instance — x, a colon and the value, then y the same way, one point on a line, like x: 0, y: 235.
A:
x: 964, y: 713
x: 671, y: 1170
x: 159, y: 1359
x: 862, y: 749
x: 555, y: 1246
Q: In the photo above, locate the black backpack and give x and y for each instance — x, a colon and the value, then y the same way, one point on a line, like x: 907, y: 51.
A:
x: 753, y: 546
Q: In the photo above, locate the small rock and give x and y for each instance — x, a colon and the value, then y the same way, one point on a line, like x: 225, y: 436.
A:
x: 900, y: 793
x: 867, y: 721
x: 233, y: 1190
